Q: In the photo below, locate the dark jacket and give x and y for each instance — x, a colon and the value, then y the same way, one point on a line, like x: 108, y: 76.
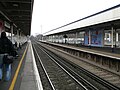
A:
x: 6, y: 46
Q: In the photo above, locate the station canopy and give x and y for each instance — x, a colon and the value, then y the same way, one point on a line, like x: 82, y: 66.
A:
x: 19, y: 12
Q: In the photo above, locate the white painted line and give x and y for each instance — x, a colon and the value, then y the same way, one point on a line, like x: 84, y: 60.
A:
x: 39, y: 83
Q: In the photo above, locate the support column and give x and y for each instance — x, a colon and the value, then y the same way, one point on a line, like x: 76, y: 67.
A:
x: 115, y: 38
x: 103, y: 36
x: 112, y: 42
x: 1, y: 27
x: 18, y: 32
x: 58, y: 38
x: 11, y: 31
x: 89, y: 39
x: 18, y: 37
x: 52, y: 38
x: 76, y: 38
x: 68, y: 38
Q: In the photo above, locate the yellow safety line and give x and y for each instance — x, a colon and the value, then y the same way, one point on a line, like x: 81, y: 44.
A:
x: 17, y: 71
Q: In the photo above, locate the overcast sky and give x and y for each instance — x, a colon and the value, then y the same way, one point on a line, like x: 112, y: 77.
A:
x: 50, y: 14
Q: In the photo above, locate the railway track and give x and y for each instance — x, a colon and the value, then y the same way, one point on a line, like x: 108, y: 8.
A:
x: 59, y: 74
x: 56, y: 77
x: 110, y: 77
x: 99, y: 71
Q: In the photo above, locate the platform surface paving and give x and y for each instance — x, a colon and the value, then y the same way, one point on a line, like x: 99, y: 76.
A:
x: 28, y: 81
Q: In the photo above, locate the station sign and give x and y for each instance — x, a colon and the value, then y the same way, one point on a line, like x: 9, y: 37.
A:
x: 7, y: 24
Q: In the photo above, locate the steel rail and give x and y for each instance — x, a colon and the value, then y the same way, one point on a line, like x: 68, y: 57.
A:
x: 70, y: 73
x: 44, y: 69
x: 103, y: 82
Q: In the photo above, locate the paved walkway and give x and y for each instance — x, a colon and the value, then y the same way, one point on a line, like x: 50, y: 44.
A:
x: 30, y: 76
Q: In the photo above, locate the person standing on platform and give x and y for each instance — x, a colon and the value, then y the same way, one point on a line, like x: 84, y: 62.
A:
x: 6, y: 47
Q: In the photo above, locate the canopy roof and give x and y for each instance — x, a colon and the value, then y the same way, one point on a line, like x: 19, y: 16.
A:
x: 18, y: 12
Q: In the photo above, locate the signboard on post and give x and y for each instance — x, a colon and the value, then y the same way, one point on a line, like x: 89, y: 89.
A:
x: 96, y: 38
x: 7, y: 24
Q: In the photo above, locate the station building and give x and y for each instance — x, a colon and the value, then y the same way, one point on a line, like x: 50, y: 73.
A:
x: 101, y: 29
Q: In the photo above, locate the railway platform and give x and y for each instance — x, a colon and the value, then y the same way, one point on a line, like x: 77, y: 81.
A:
x: 24, y: 72
x: 100, y: 56
x: 30, y: 77
x: 103, y: 51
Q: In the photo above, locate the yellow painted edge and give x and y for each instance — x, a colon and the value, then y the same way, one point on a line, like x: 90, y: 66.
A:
x: 17, y: 71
